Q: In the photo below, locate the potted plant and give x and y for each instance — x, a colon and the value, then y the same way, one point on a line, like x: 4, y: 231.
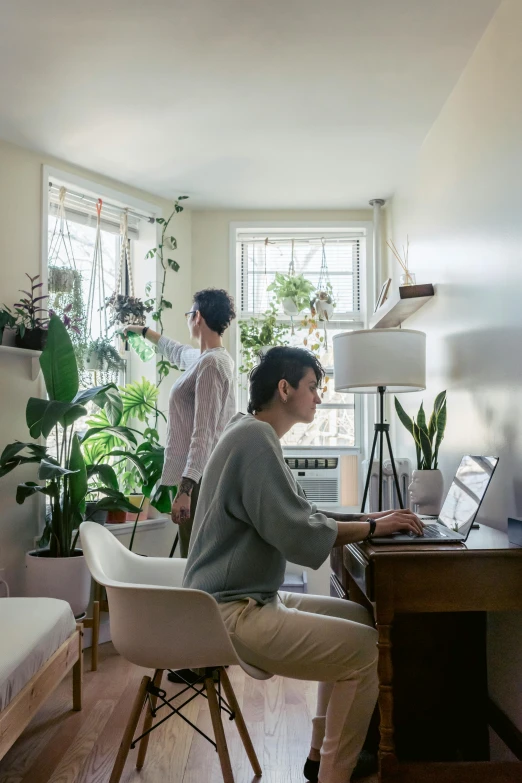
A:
x: 137, y: 465
x: 7, y: 327
x: 58, y: 569
x: 102, y: 356
x: 31, y: 320
x: 426, y: 489
x: 62, y: 280
x: 322, y: 303
x: 128, y: 310
x: 292, y: 291
x: 258, y: 334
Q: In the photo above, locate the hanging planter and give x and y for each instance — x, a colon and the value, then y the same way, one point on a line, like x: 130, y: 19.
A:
x: 127, y: 310
x: 61, y: 279
x: 102, y: 356
x: 323, y: 306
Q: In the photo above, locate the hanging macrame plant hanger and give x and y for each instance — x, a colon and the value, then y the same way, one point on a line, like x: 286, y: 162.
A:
x: 127, y: 309
x: 291, y: 273
x: 60, y: 260
x: 323, y: 303
x: 97, y: 296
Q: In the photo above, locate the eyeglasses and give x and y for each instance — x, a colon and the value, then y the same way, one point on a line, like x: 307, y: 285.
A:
x: 190, y: 312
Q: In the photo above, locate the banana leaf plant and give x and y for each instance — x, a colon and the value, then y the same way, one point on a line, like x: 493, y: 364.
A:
x: 427, y: 436
x: 63, y: 469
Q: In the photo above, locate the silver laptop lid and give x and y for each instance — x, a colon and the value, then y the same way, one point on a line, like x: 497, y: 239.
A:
x: 467, y: 492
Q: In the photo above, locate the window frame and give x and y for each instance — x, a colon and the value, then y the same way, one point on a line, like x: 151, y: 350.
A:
x: 366, y: 287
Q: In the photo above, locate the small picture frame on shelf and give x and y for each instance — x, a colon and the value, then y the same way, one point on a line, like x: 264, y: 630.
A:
x: 383, y: 295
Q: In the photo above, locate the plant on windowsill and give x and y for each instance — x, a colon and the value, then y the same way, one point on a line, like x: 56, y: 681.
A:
x: 59, y: 569
x: 426, y: 488
x: 30, y: 319
x: 258, y: 334
x: 292, y: 291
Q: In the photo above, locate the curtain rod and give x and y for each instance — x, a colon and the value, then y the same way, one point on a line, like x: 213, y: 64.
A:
x: 91, y: 201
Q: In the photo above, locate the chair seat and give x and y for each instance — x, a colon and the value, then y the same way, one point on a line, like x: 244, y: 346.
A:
x: 253, y: 671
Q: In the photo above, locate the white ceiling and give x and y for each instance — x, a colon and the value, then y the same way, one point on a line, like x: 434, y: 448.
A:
x: 238, y: 103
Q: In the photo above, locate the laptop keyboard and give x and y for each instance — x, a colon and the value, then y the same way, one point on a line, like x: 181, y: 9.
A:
x: 434, y: 531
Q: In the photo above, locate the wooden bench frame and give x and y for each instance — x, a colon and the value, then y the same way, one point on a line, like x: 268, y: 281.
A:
x: 19, y: 712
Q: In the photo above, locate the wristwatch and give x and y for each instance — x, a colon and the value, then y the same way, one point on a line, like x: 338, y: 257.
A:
x: 144, y: 331
x: 371, y: 532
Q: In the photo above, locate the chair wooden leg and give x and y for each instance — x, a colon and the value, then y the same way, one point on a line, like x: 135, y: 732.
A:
x: 95, y: 635
x: 219, y: 734
x: 78, y: 671
x: 147, y: 723
x: 240, y: 723
x: 128, y: 734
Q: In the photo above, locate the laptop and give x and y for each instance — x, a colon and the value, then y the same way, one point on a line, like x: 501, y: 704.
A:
x: 460, y: 507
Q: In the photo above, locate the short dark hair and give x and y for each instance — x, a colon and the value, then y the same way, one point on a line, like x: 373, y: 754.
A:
x: 216, y: 307
x: 277, y: 364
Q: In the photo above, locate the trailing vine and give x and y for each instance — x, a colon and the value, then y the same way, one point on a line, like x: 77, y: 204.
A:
x: 162, y: 304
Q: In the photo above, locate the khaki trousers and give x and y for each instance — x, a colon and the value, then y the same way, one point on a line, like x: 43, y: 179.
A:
x: 185, y: 529
x: 312, y: 637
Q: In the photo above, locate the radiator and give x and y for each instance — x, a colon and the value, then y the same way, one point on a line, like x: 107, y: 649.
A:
x: 389, y: 492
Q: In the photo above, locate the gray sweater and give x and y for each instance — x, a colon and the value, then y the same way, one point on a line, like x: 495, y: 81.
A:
x: 251, y: 518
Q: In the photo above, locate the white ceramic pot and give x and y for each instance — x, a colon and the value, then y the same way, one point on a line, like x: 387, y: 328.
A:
x: 92, y: 361
x: 290, y: 307
x: 67, y: 578
x: 8, y: 337
x: 426, y: 491
x: 324, y: 309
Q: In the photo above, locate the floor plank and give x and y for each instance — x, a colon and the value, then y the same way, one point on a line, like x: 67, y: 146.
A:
x: 62, y: 746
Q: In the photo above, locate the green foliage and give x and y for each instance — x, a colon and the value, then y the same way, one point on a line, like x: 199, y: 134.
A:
x: 169, y: 243
x: 294, y: 287
x: 65, y: 472
x: 427, y: 437
x: 257, y: 333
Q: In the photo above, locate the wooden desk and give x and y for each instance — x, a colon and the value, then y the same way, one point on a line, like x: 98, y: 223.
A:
x: 430, y: 605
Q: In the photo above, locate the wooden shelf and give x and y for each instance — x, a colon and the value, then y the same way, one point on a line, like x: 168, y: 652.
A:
x: 34, y: 356
x: 401, y: 305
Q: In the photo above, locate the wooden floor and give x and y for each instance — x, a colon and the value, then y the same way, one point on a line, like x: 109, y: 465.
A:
x: 61, y: 746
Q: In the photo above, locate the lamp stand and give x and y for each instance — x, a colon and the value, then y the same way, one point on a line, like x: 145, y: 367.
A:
x: 381, y: 429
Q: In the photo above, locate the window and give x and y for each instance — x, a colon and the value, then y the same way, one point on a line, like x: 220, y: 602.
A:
x: 262, y: 253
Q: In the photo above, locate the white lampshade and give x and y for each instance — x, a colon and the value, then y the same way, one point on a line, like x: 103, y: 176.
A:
x: 369, y: 358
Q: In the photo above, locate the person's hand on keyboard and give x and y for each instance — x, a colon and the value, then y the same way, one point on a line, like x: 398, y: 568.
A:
x: 399, y: 521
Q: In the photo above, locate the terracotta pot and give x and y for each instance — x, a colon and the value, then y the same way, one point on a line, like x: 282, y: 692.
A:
x: 33, y: 339
x: 114, y: 517
x: 67, y: 578
x: 426, y: 491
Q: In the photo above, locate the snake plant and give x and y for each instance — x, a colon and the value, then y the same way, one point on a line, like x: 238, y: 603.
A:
x: 427, y: 437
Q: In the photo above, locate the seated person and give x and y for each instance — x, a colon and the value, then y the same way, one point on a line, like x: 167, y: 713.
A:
x: 251, y: 518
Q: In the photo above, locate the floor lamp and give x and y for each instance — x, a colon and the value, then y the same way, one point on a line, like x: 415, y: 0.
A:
x: 375, y: 361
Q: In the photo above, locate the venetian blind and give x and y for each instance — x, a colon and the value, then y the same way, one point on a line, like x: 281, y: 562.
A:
x: 260, y: 257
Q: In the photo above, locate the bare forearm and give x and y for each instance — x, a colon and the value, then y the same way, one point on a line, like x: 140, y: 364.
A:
x: 351, y: 532
x: 153, y: 336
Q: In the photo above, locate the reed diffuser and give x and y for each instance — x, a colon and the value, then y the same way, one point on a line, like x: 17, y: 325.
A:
x: 408, y: 278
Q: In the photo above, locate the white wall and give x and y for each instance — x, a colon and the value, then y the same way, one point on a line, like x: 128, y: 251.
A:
x: 462, y: 211
x: 20, y: 252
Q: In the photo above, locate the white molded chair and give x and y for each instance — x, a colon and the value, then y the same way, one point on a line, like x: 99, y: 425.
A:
x: 158, y: 624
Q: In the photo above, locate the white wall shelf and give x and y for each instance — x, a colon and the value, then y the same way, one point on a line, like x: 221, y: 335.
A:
x: 34, y: 356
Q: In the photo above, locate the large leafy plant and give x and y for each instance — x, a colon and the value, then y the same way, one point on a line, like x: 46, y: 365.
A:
x: 63, y: 469
x: 137, y: 463
x: 427, y: 436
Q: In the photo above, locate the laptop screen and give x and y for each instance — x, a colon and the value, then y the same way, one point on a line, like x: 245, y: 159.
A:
x: 466, y: 493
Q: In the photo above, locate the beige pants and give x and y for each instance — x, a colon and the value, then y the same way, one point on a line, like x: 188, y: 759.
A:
x: 313, y: 637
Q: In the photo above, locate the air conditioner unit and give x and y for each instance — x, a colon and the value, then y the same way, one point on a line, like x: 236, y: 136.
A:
x: 319, y: 476
x: 389, y: 492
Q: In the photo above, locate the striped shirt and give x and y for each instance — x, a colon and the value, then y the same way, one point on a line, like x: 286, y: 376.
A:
x: 201, y: 403
x: 251, y: 518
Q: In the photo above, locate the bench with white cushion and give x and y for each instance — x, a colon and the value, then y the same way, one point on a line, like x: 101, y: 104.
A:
x: 40, y: 642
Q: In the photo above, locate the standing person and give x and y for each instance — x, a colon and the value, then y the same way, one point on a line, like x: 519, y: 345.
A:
x: 252, y: 517
x: 202, y: 400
